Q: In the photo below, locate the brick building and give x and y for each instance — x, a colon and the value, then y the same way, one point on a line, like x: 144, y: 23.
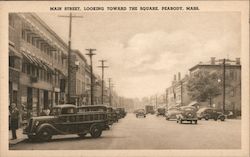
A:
x: 37, y: 65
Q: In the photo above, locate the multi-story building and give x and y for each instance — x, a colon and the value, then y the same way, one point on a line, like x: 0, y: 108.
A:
x: 232, y: 81
x: 77, y: 89
x: 37, y: 65
x: 177, y: 94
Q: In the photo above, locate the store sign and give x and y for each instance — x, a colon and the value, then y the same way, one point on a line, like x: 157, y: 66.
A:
x: 56, y: 89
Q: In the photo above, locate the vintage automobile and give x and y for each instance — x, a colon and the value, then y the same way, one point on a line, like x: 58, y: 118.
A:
x: 64, y: 119
x: 121, y: 112
x: 210, y: 113
x: 95, y: 108
x: 112, y: 116
x: 172, y: 112
x: 187, y: 113
x: 140, y: 113
x: 161, y: 111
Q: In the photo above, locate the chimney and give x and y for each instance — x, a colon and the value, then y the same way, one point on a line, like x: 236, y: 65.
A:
x: 237, y: 61
x: 212, y: 60
x: 174, y: 77
x: 179, y: 76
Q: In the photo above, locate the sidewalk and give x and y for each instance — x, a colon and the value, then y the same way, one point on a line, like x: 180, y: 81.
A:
x: 20, y: 137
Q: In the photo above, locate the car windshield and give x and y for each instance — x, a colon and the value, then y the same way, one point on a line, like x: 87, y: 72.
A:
x: 67, y: 110
x: 55, y: 111
x: 141, y: 110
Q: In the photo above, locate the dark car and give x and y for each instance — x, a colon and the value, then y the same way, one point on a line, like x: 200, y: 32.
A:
x: 65, y: 119
x: 121, y: 111
x: 210, y: 113
x: 187, y: 113
x: 141, y: 113
x: 172, y: 112
x: 112, y: 116
x: 161, y: 111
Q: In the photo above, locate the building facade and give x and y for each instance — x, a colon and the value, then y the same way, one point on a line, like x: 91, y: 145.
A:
x: 78, y: 72
x: 37, y: 65
x: 232, y: 81
x: 177, y: 94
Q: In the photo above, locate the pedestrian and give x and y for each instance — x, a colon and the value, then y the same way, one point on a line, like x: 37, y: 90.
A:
x: 45, y: 112
x: 14, y: 115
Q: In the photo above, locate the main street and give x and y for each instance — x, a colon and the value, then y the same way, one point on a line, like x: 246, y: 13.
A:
x: 151, y: 132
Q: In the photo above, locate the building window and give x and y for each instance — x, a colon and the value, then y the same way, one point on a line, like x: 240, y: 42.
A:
x: 24, y: 67
x: 28, y: 38
x: 23, y: 34
x: 231, y: 75
x: 11, y: 62
x: 28, y: 69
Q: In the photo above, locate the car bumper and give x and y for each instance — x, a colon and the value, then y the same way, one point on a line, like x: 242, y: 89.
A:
x: 189, y: 119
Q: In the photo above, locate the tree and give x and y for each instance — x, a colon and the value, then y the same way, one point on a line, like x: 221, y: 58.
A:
x: 204, y: 86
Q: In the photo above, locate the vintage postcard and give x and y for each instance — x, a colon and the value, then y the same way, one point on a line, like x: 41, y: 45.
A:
x: 124, y: 78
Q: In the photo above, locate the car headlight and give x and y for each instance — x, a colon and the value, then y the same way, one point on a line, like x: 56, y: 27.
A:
x: 37, y: 123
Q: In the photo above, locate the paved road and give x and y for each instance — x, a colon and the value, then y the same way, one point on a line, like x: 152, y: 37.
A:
x: 150, y: 133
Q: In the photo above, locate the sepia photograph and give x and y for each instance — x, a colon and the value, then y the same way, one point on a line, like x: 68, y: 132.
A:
x: 126, y: 78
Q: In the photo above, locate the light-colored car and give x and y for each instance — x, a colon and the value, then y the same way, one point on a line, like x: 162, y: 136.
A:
x: 141, y: 113
x: 172, y: 112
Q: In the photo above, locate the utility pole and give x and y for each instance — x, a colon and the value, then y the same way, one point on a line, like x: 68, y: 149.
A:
x: 70, y: 66
x: 102, y: 66
x: 90, y: 54
x: 224, y: 85
x: 110, y: 93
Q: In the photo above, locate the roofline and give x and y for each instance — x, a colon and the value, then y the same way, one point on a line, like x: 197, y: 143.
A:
x: 228, y: 65
x: 80, y: 54
x: 49, y: 29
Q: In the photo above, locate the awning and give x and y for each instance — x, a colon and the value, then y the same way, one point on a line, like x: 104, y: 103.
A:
x: 14, y: 52
x: 36, y: 61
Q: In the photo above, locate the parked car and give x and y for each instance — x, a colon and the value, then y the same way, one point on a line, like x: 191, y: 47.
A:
x: 187, y: 113
x: 112, y: 116
x: 161, y: 111
x: 210, y: 113
x: 172, y: 112
x: 141, y: 113
x: 122, y: 112
x: 65, y: 119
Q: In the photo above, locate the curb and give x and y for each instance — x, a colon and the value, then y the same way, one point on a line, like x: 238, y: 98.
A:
x: 14, y: 142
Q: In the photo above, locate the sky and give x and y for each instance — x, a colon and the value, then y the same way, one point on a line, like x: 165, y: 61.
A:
x: 145, y: 50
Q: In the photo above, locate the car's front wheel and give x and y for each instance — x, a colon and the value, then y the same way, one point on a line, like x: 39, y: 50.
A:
x: 45, y: 134
x: 95, y: 131
x: 222, y: 118
x: 207, y: 118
